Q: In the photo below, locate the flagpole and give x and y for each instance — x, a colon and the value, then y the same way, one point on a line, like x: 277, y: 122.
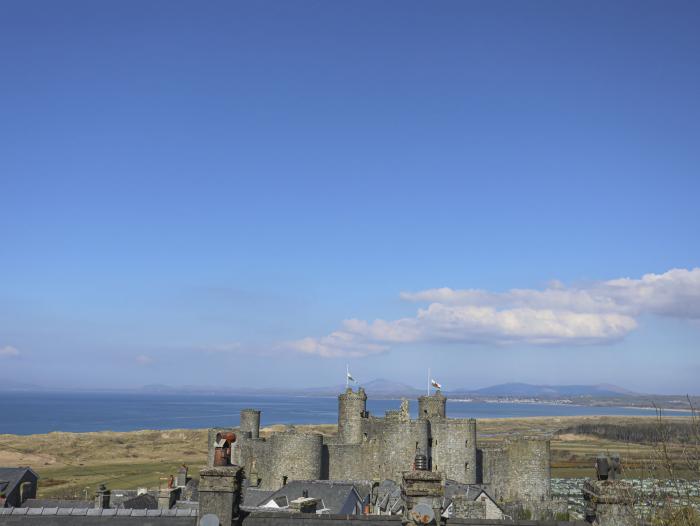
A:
x: 428, y: 381
x: 347, y: 376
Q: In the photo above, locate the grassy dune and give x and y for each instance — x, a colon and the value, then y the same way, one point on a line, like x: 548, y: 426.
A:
x: 73, y: 464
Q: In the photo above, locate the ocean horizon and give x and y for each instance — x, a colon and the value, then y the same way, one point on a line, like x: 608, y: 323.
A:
x: 25, y: 413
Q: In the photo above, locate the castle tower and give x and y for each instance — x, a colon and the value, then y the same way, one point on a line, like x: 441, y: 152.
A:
x: 471, y: 461
x: 250, y: 422
x: 295, y: 456
x: 352, y: 408
x: 432, y: 406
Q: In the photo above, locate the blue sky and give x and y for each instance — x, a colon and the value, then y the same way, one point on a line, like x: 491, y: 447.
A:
x: 205, y: 193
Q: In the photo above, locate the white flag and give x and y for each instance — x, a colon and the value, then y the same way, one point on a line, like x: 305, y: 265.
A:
x: 351, y: 378
x: 435, y: 384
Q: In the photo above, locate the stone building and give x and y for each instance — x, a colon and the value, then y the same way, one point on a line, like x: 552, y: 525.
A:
x: 369, y: 447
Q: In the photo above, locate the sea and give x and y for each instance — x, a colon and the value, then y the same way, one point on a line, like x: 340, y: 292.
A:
x: 25, y: 413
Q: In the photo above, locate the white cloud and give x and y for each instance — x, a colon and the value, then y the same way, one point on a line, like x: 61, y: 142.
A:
x: 8, y: 352
x: 599, y: 313
x: 143, y: 359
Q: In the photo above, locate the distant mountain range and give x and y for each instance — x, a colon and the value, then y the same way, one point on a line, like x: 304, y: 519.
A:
x: 382, y: 387
x: 379, y: 388
x: 552, y: 391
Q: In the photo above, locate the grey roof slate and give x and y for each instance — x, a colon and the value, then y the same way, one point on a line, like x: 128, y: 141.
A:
x: 389, y: 496
x: 10, y: 477
x: 100, y: 512
x: 255, y: 497
x: 145, y: 501
x: 336, y: 497
x: 57, y: 503
x: 472, y: 491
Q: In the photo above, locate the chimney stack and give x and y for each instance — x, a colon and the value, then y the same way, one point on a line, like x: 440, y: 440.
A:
x: 102, y: 497
x: 220, y: 492
x: 182, y: 476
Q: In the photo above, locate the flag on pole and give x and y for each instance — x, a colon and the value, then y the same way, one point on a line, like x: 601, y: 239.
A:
x: 435, y: 384
x: 348, y: 376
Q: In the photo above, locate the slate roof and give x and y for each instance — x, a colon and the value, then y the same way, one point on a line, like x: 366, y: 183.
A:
x: 335, y: 497
x: 389, y: 497
x: 119, y: 496
x: 10, y: 477
x: 98, y: 512
x: 472, y: 491
x: 255, y: 496
x: 57, y: 503
x: 144, y: 501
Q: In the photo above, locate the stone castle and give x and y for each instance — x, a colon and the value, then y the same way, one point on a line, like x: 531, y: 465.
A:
x: 368, y: 447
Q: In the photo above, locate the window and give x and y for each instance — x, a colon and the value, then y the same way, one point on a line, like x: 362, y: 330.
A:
x: 284, y: 480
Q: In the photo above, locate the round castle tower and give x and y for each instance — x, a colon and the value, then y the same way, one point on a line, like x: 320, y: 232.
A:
x: 432, y: 406
x: 352, y: 408
x: 250, y: 422
x: 295, y: 456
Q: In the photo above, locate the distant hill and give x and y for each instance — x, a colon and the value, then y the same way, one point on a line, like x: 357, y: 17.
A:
x: 383, y: 388
x: 551, y: 391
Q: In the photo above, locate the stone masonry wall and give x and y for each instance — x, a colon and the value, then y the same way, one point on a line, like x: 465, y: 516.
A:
x: 398, y: 444
x: 250, y: 422
x: 520, y: 470
x: 296, y: 456
x: 352, y: 407
x: 353, y: 461
x: 432, y: 406
x: 453, y: 449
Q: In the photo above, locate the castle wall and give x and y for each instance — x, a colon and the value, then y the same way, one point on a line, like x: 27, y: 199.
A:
x: 398, y: 443
x: 453, y: 449
x: 296, y: 456
x: 520, y: 470
x: 530, y: 463
x: 353, y: 461
x: 255, y: 457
